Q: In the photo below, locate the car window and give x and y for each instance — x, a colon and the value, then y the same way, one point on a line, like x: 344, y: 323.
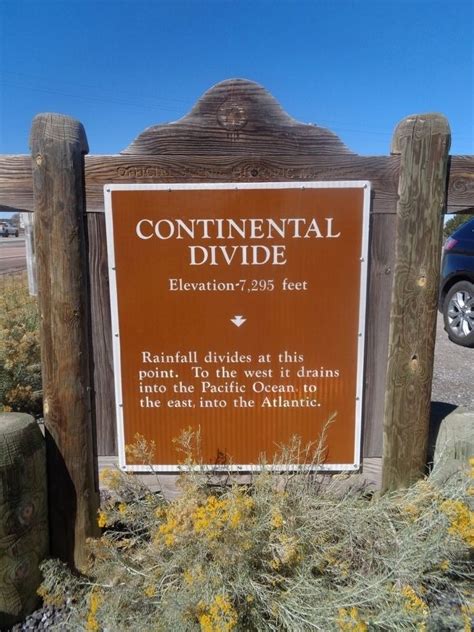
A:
x: 466, y: 231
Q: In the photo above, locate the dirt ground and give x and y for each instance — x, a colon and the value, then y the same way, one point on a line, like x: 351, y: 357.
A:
x: 453, y: 379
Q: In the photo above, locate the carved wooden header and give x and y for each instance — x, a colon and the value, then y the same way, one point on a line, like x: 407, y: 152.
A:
x: 237, y: 117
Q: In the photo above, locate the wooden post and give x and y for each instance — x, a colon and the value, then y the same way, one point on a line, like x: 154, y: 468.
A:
x: 58, y: 144
x: 423, y: 142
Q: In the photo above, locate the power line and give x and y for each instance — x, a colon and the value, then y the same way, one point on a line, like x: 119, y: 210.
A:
x: 88, y: 87
x: 90, y: 97
x: 164, y: 104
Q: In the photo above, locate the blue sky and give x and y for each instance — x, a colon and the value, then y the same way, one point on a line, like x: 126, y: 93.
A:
x: 355, y: 66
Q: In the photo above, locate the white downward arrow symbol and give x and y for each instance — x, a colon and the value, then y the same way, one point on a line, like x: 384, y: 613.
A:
x: 238, y: 320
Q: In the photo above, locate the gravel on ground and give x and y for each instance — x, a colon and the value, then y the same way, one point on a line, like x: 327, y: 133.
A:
x: 453, y: 378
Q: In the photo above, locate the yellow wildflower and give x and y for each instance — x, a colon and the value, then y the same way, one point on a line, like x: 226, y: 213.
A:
x: 414, y: 603
x: 110, y: 478
x: 50, y: 599
x: 219, y: 616
x: 102, y: 519
x: 95, y: 601
x: 160, y: 512
x: 461, y: 518
x: 206, y: 623
x: 275, y: 563
x: 174, y: 525
x: 411, y: 510
x: 467, y: 612
x: 211, y: 518
x: 150, y: 591
x: 349, y: 620
x: 122, y: 508
x: 277, y: 518
x: 235, y: 518
x: 170, y: 539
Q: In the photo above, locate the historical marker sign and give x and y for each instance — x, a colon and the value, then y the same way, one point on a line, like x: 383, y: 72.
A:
x: 239, y: 309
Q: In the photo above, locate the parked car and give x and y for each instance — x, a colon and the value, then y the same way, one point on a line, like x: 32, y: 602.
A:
x: 7, y: 230
x: 456, y: 300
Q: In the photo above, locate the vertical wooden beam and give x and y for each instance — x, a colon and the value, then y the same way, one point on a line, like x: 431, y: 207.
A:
x: 101, y: 336
x: 423, y: 142
x: 58, y: 144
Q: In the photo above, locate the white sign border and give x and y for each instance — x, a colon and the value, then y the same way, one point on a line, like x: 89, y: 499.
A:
x: 344, y: 184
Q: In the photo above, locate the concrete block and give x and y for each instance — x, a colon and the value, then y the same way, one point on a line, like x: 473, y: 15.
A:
x: 454, y: 444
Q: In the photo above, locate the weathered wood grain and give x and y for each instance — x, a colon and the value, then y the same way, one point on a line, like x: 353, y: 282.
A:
x: 460, y: 184
x: 423, y: 142
x: 381, y: 259
x: 16, y: 183
x: 103, y: 370
x: 383, y: 172
x: 16, y: 188
x: 237, y: 117
x: 57, y: 145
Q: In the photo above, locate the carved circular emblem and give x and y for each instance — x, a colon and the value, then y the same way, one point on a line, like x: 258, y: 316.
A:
x: 232, y: 115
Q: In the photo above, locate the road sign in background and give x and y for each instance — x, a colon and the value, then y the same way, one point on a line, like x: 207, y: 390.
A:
x: 239, y: 309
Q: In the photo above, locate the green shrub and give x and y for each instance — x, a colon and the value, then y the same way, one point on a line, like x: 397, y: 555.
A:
x: 20, y: 369
x: 282, y: 552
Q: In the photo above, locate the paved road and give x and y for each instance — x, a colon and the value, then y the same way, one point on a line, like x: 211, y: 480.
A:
x: 12, y: 254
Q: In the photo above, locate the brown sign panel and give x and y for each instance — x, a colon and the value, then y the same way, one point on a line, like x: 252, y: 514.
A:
x: 239, y: 309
